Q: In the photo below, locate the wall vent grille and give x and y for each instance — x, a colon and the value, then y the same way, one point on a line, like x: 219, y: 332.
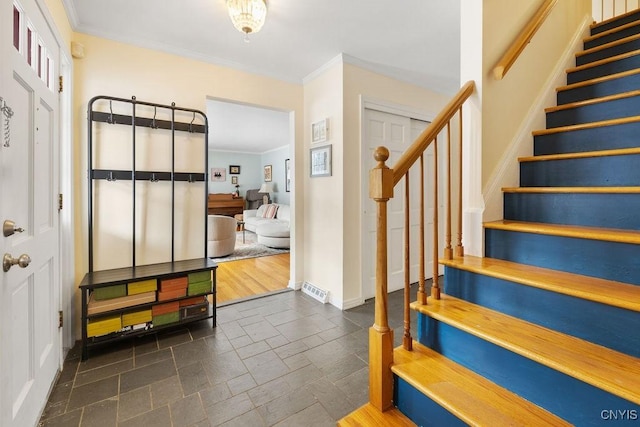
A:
x: 315, y: 292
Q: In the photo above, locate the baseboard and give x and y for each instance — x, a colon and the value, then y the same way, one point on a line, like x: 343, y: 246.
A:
x: 507, y: 174
x: 296, y: 286
x: 351, y: 303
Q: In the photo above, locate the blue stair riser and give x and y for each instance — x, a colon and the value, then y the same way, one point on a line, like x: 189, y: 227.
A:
x: 613, y: 109
x: 421, y: 409
x: 608, y: 52
x: 631, y: 17
x: 617, y: 35
x: 624, y: 64
x: 575, y: 401
x: 595, y: 258
x: 615, y: 328
x: 603, y: 171
x: 609, y: 210
x: 612, y: 137
x: 598, y: 90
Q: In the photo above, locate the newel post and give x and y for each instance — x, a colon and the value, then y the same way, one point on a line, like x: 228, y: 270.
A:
x: 380, y: 335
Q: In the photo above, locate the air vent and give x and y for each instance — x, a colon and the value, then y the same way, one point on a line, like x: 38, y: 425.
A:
x: 315, y: 292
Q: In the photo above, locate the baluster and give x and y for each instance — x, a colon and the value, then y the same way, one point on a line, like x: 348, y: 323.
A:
x: 459, y: 247
x: 380, y: 335
x: 422, y: 296
x: 435, y: 286
x: 406, y: 340
x: 448, y: 251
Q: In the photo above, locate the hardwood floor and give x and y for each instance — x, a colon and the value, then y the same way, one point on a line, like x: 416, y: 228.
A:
x: 254, y: 276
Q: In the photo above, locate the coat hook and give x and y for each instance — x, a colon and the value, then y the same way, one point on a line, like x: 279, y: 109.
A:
x: 110, y: 118
x: 191, y: 180
x: 110, y: 177
x: 191, y: 124
x: 153, y: 122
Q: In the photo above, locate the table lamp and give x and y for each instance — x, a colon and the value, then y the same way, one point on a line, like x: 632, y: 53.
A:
x: 265, y: 188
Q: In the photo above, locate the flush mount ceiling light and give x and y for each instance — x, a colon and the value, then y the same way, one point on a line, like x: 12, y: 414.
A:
x: 247, y: 15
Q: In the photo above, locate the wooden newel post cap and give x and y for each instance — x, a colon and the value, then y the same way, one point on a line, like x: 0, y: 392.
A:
x: 381, y: 177
x: 381, y: 155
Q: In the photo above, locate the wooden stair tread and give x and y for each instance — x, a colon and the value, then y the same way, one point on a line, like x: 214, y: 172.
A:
x: 561, y: 190
x: 612, y: 371
x: 589, y: 125
x: 608, y: 45
x: 467, y: 395
x: 579, y: 232
x: 603, y: 61
x: 612, y: 31
x: 581, y: 155
x: 593, y: 101
x: 598, y: 80
x: 616, y: 294
x: 369, y: 415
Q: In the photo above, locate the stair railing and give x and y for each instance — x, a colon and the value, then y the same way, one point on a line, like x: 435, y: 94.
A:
x: 523, y: 39
x: 610, y: 9
x: 382, y: 181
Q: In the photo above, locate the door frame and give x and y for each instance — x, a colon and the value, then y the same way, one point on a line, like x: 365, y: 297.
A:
x: 369, y: 103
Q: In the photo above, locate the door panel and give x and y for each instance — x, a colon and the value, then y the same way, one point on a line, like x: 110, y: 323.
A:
x: 29, y: 296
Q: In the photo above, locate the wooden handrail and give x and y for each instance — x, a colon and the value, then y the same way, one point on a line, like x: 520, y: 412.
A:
x: 382, y: 181
x: 523, y: 39
x: 431, y: 132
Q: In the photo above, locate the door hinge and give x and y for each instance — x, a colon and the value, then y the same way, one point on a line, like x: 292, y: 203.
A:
x: 60, y: 319
x: 60, y: 84
x: 60, y: 201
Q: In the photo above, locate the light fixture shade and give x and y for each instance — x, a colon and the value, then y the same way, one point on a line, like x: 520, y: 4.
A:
x: 265, y: 188
x: 247, y: 15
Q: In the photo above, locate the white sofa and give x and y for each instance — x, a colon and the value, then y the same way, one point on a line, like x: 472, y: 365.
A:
x: 272, y: 232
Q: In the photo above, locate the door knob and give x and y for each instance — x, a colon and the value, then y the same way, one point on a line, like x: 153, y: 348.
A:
x: 9, y: 228
x: 8, y: 261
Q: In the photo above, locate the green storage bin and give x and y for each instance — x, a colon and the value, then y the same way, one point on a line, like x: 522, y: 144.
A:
x: 199, y: 288
x: 200, y: 276
x: 165, y: 319
x: 109, y: 292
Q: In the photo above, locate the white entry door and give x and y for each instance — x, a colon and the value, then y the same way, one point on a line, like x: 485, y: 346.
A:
x: 29, y: 294
x: 396, y: 133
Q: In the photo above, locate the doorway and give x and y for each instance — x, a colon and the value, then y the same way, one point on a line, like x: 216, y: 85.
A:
x: 252, y: 145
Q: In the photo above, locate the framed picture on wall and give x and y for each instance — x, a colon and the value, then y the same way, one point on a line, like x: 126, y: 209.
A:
x: 267, y: 173
x: 321, y: 161
x: 234, y: 170
x: 218, y: 174
x: 234, y: 180
x: 319, y: 131
x: 287, y: 176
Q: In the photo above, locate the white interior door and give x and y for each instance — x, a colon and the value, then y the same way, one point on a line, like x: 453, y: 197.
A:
x: 396, y: 133
x: 29, y: 294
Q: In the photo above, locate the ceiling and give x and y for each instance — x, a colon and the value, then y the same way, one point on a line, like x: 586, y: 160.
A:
x: 412, y: 40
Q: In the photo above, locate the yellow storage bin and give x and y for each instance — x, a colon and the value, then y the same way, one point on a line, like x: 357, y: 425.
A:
x: 136, y: 317
x: 142, y: 286
x: 104, y: 325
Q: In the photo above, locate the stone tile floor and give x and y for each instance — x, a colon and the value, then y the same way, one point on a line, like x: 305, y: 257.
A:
x: 279, y: 360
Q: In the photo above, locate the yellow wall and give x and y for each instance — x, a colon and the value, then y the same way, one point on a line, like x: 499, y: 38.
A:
x: 59, y: 15
x: 505, y: 103
x: 323, y: 204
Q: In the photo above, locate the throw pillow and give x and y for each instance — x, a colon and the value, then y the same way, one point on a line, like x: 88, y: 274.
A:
x: 270, y: 211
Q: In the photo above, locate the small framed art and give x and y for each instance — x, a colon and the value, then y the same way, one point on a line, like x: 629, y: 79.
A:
x: 320, y: 161
x: 234, y: 170
x: 267, y: 173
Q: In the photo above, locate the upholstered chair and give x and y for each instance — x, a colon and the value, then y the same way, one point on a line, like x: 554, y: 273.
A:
x: 254, y: 198
x: 221, y: 235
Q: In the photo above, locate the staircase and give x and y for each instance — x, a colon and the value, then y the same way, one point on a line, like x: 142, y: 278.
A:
x: 545, y: 329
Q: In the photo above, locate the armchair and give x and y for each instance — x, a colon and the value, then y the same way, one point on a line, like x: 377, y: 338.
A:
x: 221, y: 235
